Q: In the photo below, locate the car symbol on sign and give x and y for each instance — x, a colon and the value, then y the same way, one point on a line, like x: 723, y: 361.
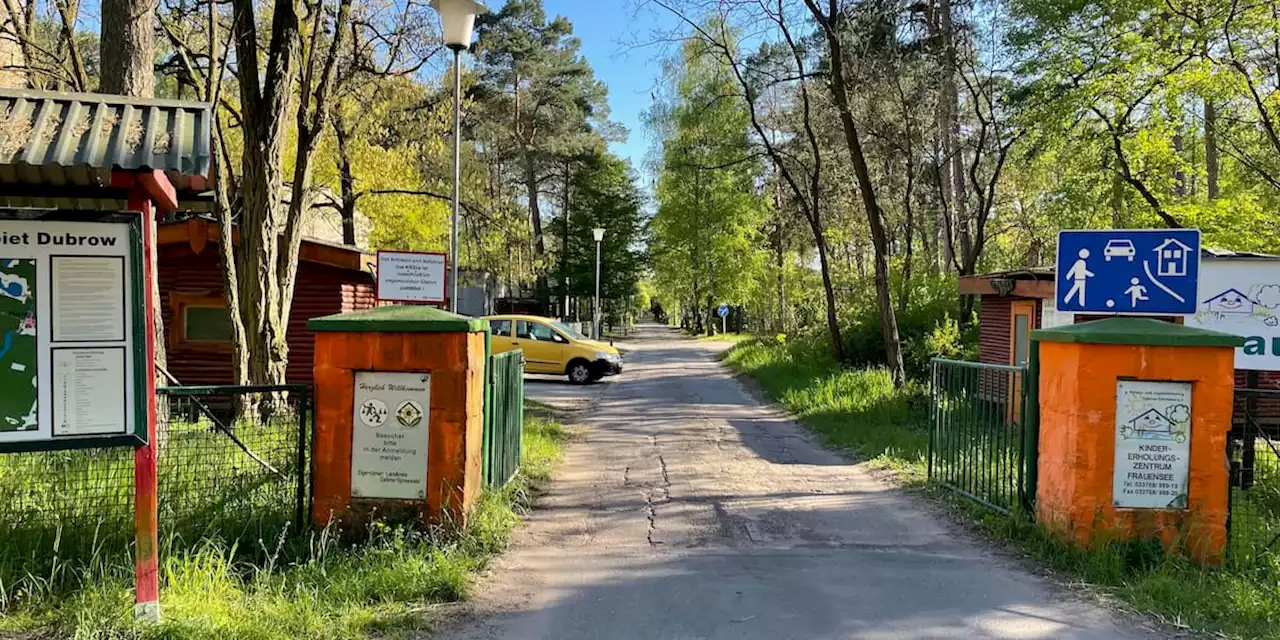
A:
x: 1119, y: 249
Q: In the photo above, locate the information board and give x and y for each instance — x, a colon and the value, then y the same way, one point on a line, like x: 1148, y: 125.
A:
x: 71, y: 330
x: 1242, y: 297
x: 1153, y: 444
x: 389, y: 434
x: 405, y: 276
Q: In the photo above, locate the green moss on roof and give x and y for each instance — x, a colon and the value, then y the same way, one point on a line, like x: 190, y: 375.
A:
x: 398, y: 319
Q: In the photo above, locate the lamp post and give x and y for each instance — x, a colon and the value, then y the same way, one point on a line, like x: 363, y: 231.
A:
x: 458, y: 17
x: 598, y: 233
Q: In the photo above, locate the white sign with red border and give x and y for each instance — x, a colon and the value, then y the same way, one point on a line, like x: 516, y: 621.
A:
x: 408, y: 276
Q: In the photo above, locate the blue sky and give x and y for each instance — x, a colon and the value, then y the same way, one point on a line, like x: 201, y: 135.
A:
x: 613, y: 40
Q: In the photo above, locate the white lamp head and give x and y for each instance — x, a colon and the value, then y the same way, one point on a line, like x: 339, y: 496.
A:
x: 598, y: 232
x: 458, y: 18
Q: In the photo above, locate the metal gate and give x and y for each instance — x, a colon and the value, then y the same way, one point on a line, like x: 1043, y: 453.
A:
x: 503, y: 435
x: 1253, y: 449
x: 982, y: 436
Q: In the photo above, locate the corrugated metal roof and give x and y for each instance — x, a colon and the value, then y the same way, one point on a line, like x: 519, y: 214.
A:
x: 1228, y: 254
x: 77, y: 139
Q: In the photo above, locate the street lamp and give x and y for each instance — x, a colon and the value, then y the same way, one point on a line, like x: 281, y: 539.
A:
x: 458, y: 17
x: 598, y: 233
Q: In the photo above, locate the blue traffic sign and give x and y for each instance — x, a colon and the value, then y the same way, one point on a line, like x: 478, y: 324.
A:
x: 724, y: 311
x: 1128, y: 271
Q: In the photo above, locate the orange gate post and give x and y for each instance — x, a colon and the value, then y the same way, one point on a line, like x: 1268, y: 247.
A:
x: 399, y: 421
x: 1134, y: 415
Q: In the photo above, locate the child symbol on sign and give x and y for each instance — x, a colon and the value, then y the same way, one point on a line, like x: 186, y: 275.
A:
x: 1136, y: 293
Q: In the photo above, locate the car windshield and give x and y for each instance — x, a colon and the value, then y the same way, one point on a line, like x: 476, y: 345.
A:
x: 567, y: 331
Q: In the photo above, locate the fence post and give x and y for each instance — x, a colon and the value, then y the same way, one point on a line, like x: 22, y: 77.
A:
x: 304, y: 471
x: 146, y: 513
x: 1030, y: 464
x: 933, y: 415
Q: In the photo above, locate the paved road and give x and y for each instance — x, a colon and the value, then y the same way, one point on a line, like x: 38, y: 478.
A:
x: 691, y: 512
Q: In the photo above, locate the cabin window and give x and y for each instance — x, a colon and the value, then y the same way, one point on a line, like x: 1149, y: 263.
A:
x: 206, y: 324
x: 199, y: 322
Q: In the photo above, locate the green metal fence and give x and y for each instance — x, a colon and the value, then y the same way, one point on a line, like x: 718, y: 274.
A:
x: 982, y: 430
x: 1253, y: 450
x: 505, y: 423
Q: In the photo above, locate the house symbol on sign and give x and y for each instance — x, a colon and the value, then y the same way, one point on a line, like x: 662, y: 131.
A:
x: 1171, y: 258
x: 1151, y: 421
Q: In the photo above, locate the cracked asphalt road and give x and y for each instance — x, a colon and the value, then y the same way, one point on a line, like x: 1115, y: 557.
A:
x: 692, y: 512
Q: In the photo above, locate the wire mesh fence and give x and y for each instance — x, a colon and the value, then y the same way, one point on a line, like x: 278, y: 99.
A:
x: 977, y: 439
x: 232, y: 466
x: 1253, y: 449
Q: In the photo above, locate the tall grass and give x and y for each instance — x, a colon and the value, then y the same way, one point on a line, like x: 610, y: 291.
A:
x: 232, y: 583
x: 852, y: 409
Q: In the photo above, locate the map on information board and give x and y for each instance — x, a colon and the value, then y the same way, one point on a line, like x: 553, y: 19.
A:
x: 18, y: 353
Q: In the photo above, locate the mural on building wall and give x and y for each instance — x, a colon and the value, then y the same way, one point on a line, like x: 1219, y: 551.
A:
x: 1242, y: 297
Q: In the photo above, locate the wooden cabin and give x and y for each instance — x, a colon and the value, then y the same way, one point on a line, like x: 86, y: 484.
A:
x: 332, y: 278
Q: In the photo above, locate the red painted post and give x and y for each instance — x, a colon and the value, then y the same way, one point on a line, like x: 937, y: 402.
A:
x: 146, y: 482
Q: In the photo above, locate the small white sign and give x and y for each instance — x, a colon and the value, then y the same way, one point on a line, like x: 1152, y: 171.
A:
x: 389, y: 435
x: 1153, y: 444
x: 411, y: 277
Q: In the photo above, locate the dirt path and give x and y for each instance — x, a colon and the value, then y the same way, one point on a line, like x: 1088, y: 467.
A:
x: 691, y: 512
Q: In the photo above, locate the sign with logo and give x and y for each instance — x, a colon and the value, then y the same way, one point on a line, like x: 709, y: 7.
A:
x: 1242, y: 297
x: 406, y: 276
x: 389, y: 435
x: 1153, y: 444
x: 72, y: 331
x: 1128, y: 272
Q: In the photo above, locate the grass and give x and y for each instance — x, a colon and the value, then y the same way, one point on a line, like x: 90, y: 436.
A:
x: 227, y: 585
x: 859, y: 411
x: 735, y: 338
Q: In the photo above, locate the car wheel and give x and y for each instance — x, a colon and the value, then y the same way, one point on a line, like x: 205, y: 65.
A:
x: 580, y: 373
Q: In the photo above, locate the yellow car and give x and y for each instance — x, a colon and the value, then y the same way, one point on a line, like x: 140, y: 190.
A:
x: 551, y: 347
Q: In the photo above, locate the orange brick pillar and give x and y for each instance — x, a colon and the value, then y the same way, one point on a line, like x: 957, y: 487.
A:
x: 399, y: 422
x: 1134, y: 415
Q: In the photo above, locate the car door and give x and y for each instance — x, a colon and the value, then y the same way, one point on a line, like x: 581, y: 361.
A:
x: 543, y: 347
x: 501, y: 340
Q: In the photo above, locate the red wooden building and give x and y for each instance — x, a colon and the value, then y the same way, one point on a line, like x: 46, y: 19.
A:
x: 332, y: 278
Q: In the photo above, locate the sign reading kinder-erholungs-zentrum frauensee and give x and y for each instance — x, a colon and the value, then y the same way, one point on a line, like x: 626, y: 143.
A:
x: 1153, y: 444
x: 71, y: 330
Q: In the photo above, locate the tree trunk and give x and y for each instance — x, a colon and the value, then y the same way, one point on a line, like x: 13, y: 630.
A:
x: 875, y: 217
x: 949, y: 106
x: 13, y: 57
x: 535, y: 219
x: 564, y: 246
x: 780, y: 250
x: 904, y: 297
x: 346, y: 180
x: 128, y: 69
x: 1211, y: 149
x: 829, y: 293
x: 125, y: 48
x: 267, y: 101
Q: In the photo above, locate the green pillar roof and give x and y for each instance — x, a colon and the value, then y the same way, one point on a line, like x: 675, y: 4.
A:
x: 1137, y: 331
x: 398, y: 319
